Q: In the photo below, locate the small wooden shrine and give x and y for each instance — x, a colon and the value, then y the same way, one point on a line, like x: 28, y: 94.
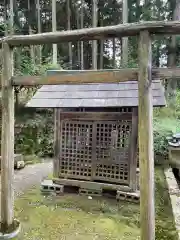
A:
x: 96, y: 130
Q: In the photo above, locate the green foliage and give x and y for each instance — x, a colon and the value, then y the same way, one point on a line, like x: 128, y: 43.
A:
x: 34, y: 133
x: 27, y: 67
x: 162, y: 129
x: 166, y: 122
x: 178, y: 104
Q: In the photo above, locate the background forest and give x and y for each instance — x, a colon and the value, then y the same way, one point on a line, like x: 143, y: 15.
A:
x: 35, y: 16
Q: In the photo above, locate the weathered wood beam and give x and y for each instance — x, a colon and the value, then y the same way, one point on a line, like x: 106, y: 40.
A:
x: 76, y: 77
x: 7, y: 141
x: 92, y: 76
x: 166, y: 72
x: 145, y: 130
x: 95, y: 115
x: 121, y: 30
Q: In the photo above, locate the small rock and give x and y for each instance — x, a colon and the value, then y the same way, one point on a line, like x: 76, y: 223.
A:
x: 89, y: 197
x: 20, y: 164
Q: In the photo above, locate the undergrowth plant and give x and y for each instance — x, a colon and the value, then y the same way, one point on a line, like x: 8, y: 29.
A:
x: 34, y: 132
x: 166, y: 123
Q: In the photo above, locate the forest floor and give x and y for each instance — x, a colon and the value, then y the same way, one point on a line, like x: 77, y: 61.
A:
x: 73, y: 217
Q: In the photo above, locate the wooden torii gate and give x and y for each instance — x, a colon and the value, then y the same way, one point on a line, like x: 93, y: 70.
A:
x: 144, y: 75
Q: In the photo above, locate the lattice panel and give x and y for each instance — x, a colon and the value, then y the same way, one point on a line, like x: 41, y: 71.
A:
x: 113, y: 173
x: 76, y: 149
x: 96, y: 150
x: 112, y: 151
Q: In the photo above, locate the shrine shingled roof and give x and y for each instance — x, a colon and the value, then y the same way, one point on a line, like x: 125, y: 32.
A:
x: 124, y: 94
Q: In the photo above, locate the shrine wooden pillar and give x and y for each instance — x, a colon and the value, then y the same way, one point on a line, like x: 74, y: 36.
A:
x: 145, y: 128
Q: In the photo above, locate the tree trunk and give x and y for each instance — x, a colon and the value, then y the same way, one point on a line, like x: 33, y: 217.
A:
x: 18, y: 51
x: 11, y: 20
x: 101, y: 47
x: 147, y: 10
x: 82, y: 43
x: 32, y: 54
x: 172, y: 84
x: 69, y: 28
x: 54, y: 28
x: 5, y: 18
x: 114, y: 53
x: 138, y: 11
x: 78, y: 43
x: 125, y: 40
x: 158, y: 44
x: 94, y: 43
x: 39, y: 30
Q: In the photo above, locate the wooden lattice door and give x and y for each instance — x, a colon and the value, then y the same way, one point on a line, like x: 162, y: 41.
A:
x: 95, y: 150
x: 112, y: 151
x: 76, y: 149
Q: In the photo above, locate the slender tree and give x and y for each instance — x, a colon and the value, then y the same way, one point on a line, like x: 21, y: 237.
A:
x: 78, y: 27
x: 101, y: 62
x: 82, y: 25
x: 94, y: 43
x: 69, y: 27
x: 5, y: 18
x: 32, y: 54
x: 38, y: 6
x: 11, y: 29
x: 11, y: 20
x: 114, y: 53
x: 125, y: 40
x: 172, y: 84
x: 54, y: 28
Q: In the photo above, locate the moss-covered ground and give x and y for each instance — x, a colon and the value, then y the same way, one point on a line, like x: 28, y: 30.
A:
x: 73, y: 217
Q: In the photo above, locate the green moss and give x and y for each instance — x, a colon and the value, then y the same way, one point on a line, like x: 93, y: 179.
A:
x: 74, y: 217
x: 50, y: 176
x: 165, y: 228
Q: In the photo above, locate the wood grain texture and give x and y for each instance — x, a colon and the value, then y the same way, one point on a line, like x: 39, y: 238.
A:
x: 76, y: 78
x: 133, y: 149
x: 121, y: 30
x: 145, y: 128
x: 56, y: 142
x: 96, y: 116
x: 7, y: 141
x: 92, y: 76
